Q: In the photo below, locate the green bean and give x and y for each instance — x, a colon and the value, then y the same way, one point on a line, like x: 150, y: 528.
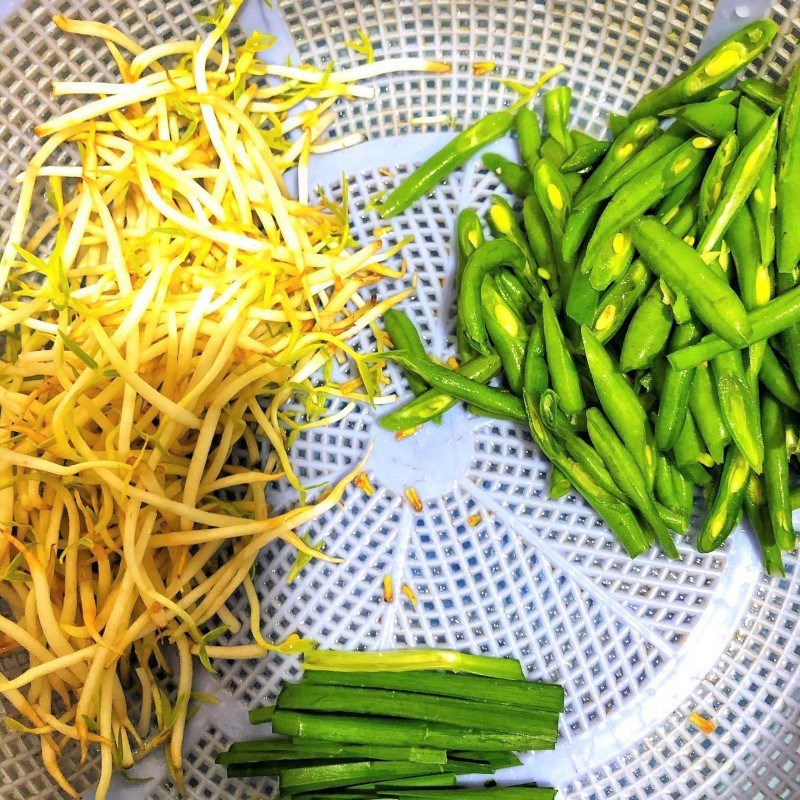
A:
x: 553, y: 152
x: 613, y: 260
x: 572, y: 181
x: 579, y: 223
x: 578, y: 449
x: 717, y: 173
x: 617, y: 515
x: 688, y: 453
x: 449, y: 158
x: 748, y: 117
x: 788, y: 183
x: 585, y: 156
x: 563, y: 373
x: 768, y: 320
x: 535, y: 375
x: 559, y: 484
x: 485, y: 259
x: 713, y: 70
x: 642, y: 192
x: 616, y: 124
x: 469, y: 236
x: 752, y: 274
x: 776, y: 472
x: 709, y: 294
x: 456, y: 384
x: 554, y: 199
x: 529, y: 136
x: 405, y: 336
x: 506, y: 330
x: 713, y: 118
x: 556, y: 104
x: 516, y: 178
x: 762, y: 204
x: 513, y: 292
x: 678, y: 196
x: 647, y: 333
x: 777, y: 380
x: 727, y: 505
x: 582, y: 300
x: 767, y: 94
x: 434, y: 403
x: 674, y: 492
x: 503, y: 223
x: 707, y: 414
x: 739, y: 405
x: 756, y: 507
x: 621, y: 405
x: 646, y: 152
x: 537, y: 229
x: 675, y: 392
x: 742, y: 180
x: 627, y: 475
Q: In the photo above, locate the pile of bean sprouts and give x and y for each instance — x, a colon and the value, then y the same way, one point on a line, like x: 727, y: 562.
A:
x: 174, y: 301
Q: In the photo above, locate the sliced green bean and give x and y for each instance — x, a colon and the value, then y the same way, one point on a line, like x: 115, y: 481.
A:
x: 767, y: 94
x: 777, y: 380
x: 537, y: 230
x: 559, y: 484
x: 513, y: 292
x: 507, y: 331
x: 762, y: 203
x: 755, y: 504
x: 727, y: 505
x: 748, y: 117
x: 564, y: 376
x: 585, y: 156
x: 776, y: 472
x: 714, y: 69
x: 582, y: 300
x: 689, y: 452
x: 553, y: 151
x: 405, y: 336
x: 469, y: 236
x: 648, y: 332
x: 621, y: 405
x: 717, y: 173
x: 535, y: 375
x: 556, y: 104
x: 612, y: 261
x: 529, y: 136
x: 516, y: 178
x: 705, y: 407
x: 713, y: 118
x: 503, y: 222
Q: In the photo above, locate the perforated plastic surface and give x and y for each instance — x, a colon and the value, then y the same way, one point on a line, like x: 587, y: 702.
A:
x: 497, y: 566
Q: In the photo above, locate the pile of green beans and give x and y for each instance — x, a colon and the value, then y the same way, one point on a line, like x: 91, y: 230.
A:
x: 643, y: 309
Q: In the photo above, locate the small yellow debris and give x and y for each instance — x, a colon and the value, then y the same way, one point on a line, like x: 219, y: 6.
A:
x: 474, y: 520
x: 413, y: 498
x: 452, y: 362
x: 382, y: 231
x: 400, y: 435
x: 433, y: 119
x: 410, y: 594
x: 387, y: 173
x: 388, y: 589
x: 705, y: 725
x: 482, y: 67
x: 364, y: 483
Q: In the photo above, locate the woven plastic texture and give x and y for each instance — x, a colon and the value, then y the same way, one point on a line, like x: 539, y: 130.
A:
x: 497, y: 567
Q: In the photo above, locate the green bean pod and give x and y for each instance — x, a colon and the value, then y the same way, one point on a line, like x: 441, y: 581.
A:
x: 513, y: 292
x: 433, y: 403
x: 516, y: 178
x: 714, y: 69
x: 537, y: 230
x: 564, y: 376
x: 535, y: 377
x: 707, y: 414
x: 449, y: 158
x: 688, y: 453
x: 675, y: 391
x: 486, y: 258
x: 621, y: 405
x: 559, y: 484
x: 642, y: 192
x: 755, y: 504
x: 405, y: 336
x: 506, y: 330
x: 553, y: 152
x: 648, y: 332
x: 739, y: 407
x: 776, y: 472
x: 762, y: 203
x: 727, y: 505
x: 469, y: 236
x: 777, y: 380
x: 674, y: 491
x: 616, y: 514
x: 556, y: 104
x: 714, y: 118
x: 503, y: 222
x: 582, y: 300
x: 554, y: 199
x: 717, y: 173
x: 572, y: 181
x: 709, y: 294
x: 620, y: 300
x: 623, y: 467
x: 680, y: 196
x: 617, y: 123
x: 740, y: 183
x: 612, y: 262
x: 768, y: 95
x: 788, y: 183
x: 529, y: 136
x: 748, y: 117
x: 585, y: 156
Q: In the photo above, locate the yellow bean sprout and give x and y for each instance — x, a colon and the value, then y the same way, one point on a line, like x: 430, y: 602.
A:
x: 165, y: 313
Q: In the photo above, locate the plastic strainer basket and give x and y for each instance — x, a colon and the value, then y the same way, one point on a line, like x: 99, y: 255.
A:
x: 498, y: 567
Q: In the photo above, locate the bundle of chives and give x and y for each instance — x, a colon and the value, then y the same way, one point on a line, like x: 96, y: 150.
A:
x: 401, y: 724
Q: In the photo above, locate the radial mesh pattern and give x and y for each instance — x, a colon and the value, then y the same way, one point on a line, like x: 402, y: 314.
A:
x: 491, y: 563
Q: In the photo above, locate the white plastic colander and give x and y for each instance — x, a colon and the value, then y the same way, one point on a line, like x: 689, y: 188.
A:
x: 497, y: 566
